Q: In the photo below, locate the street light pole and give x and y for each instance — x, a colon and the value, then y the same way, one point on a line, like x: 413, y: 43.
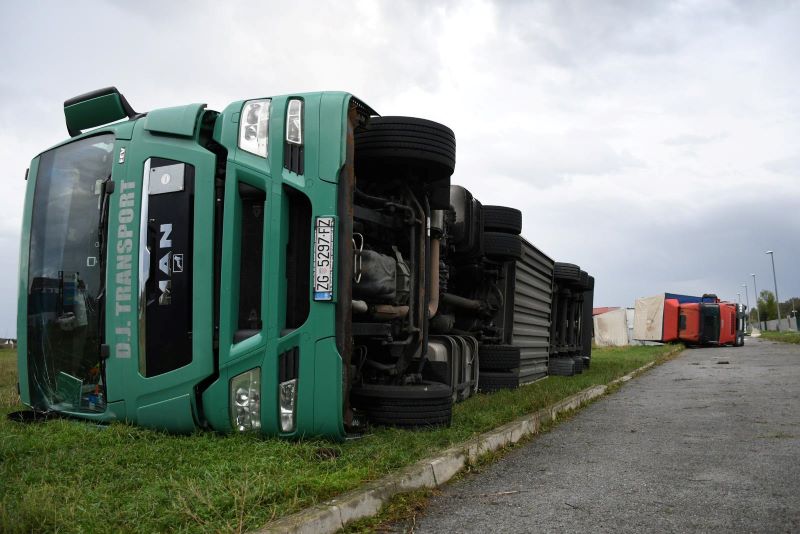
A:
x: 747, y: 298
x: 775, y: 279
x: 738, y: 298
x: 755, y: 292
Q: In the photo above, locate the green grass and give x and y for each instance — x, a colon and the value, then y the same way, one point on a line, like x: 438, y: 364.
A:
x: 71, y: 476
x: 784, y: 337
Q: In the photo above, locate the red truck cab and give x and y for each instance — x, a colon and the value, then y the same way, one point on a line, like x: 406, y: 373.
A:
x: 709, y: 323
x: 689, y: 323
x: 671, y: 320
x: 727, y: 323
x: 699, y: 323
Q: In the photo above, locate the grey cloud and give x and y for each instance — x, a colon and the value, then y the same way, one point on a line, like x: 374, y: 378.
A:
x: 575, y: 34
x: 707, y: 249
x: 549, y: 160
x: 789, y: 166
x: 693, y: 140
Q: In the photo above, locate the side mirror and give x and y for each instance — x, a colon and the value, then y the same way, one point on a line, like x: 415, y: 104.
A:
x: 96, y: 108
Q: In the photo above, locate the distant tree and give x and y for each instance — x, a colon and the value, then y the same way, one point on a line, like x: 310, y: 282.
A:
x: 766, y: 306
x: 786, y: 307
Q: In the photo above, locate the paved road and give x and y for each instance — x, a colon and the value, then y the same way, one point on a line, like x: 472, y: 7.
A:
x: 694, y: 445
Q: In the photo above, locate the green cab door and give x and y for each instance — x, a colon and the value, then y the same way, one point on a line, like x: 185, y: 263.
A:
x: 160, y: 321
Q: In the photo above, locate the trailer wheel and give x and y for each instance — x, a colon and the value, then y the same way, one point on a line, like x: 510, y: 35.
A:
x: 502, y: 219
x: 561, y: 367
x: 567, y: 272
x: 584, y: 280
x: 502, y: 246
x: 392, y: 145
x: 412, y: 406
x: 497, y: 380
x: 498, y: 357
x: 590, y: 283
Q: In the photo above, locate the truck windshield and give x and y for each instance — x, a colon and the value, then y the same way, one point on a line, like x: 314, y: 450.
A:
x: 65, y: 276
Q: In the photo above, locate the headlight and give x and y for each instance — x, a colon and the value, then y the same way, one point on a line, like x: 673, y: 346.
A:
x: 287, y: 396
x: 254, y: 127
x: 294, y: 122
x: 246, y: 400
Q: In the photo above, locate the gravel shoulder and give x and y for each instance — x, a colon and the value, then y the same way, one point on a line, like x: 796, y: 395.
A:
x: 707, y: 442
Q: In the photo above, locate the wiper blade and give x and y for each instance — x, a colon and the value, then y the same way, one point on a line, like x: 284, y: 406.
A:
x: 107, y: 187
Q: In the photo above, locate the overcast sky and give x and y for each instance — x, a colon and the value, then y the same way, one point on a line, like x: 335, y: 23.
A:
x: 653, y: 143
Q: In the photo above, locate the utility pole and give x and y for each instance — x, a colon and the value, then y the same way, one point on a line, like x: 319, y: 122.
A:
x: 755, y: 291
x: 775, y: 279
x: 747, y: 298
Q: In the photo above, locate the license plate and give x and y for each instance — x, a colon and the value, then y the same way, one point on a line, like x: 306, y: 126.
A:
x: 323, y: 258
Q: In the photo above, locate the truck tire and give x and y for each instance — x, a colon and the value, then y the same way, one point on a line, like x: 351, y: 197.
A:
x: 561, y: 367
x: 412, y: 406
x: 498, y: 357
x: 497, y: 380
x: 567, y: 272
x: 502, y: 246
x: 502, y: 219
x: 584, y: 281
x: 389, y: 144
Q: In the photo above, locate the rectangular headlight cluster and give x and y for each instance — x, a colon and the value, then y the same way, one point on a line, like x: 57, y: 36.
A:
x: 288, y: 373
x: 254, y: 127
x: 245, y: 391
x: 287, y: 395
x: 294, y: 122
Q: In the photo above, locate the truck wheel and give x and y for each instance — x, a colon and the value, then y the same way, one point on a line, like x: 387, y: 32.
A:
x: 502, y: 246
x: 498, y: 357
x: 584, y: 281
x: 590, y: 283
x: 497, y: 380
x: 567, y: 272
x: 502, y: 219
x: 411, y: 406
x: 393, y: 144
x: 561, y: 367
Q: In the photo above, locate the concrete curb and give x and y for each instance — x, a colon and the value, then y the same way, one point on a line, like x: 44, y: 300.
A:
x: 367, y: 500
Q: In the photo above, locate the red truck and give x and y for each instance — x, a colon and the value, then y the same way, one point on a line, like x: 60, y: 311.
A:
x: 702, y: 321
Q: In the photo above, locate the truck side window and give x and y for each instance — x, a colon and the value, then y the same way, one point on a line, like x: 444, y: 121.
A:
x: 298, y: 258
x: 251, y: 261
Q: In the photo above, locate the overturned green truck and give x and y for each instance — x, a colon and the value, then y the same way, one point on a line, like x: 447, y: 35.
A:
x: 295, y: 265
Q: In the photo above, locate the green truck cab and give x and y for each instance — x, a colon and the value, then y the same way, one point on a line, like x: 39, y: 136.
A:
x: 186, y: 268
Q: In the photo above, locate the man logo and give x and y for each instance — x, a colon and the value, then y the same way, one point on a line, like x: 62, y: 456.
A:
x: 166, y: 265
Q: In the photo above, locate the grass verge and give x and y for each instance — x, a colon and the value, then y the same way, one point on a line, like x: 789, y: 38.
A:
x: 784, y: 337
x: 70, y: 476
